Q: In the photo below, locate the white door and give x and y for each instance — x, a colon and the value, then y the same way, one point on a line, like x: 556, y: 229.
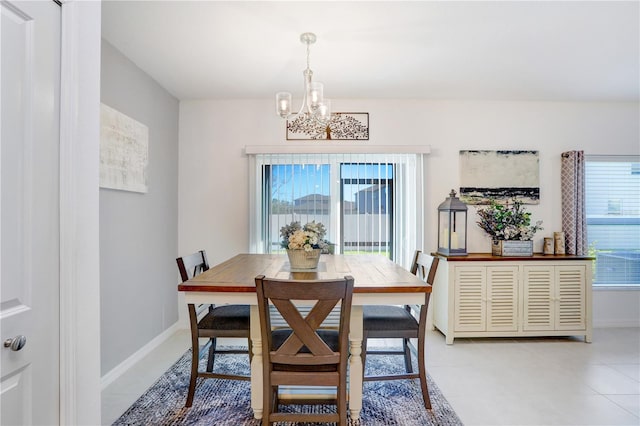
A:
x: 29, y: 212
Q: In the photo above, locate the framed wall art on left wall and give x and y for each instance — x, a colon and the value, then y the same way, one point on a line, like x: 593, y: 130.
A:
x: 124, y: 151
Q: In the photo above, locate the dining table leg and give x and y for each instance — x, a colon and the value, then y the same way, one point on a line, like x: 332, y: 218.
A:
x: 355, y: 362
x: 256, y: 364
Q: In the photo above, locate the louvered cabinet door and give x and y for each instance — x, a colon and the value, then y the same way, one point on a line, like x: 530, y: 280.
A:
x: 570, y: 297
x: 502, y: 298
x: 470, y: 298
x: 539, y: 295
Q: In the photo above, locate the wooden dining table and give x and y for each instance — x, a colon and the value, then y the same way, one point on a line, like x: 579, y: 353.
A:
x: 378, y: 281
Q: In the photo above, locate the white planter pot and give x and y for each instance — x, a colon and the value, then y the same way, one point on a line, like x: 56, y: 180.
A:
x: 300, y: 259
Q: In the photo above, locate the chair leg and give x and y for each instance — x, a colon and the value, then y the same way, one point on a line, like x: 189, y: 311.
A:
x: 267, y: 397
x: 270, y: 404
x: 363, y: 354
x: 212, y: 355
x: 250, y: 349
x: 265, y: 416
x: 407, y: 355
x: 275, y: 398
x: 192, y: 381
x: 342, y: 404
x: 422, y: 373
x: 195, y: 355
x: 194, y: 376
x: 266, y: 407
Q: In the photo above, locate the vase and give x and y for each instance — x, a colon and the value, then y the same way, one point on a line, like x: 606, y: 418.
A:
x: 512, y: 248
x: 558, y: 241
x: 301, y: 259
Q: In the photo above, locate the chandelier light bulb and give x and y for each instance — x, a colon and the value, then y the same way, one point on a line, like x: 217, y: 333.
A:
x: 283, y: 104
x: 323, y: 112
x: 315, y: 95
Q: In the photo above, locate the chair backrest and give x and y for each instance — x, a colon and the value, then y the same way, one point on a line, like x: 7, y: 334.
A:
x: 192, y: 265
x: 425, y: 266
x: 304, y: 346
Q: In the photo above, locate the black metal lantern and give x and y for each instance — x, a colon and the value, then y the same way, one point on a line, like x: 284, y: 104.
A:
x: 452, y: 226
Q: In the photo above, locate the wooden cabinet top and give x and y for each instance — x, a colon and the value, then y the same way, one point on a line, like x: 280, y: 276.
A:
x: 488, y: 257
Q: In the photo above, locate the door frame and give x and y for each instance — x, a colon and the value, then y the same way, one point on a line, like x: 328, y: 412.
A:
x: 80, y: 401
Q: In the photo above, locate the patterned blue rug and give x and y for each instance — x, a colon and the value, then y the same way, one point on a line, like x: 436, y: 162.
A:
x: 227, y: 402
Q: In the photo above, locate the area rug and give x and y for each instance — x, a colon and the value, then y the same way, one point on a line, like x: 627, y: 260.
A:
x: 227, y: 402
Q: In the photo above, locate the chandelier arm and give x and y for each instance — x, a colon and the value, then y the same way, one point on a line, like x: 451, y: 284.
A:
x: 307, y: 77
x: 304, y: 102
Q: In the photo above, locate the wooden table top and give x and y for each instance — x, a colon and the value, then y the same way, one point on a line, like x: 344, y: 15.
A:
x: 372, y: 274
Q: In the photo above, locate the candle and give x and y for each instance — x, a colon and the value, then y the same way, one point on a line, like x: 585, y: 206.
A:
x: 454, y: 240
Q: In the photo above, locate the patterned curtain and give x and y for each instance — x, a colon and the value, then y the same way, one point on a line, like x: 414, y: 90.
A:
x: 574, y: 221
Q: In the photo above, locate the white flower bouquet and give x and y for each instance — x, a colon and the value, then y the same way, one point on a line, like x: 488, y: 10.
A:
x: 308, y: 237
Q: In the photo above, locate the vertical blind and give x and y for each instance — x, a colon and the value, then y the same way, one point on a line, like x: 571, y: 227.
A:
x: 369, y: 203
x: 613, y: 218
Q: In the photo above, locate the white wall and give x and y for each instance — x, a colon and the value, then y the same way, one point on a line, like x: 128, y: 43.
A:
x: 138, y: 231
x: 213, y: 172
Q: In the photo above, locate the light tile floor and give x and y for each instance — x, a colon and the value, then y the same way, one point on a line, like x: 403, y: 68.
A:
x: 528, y: 381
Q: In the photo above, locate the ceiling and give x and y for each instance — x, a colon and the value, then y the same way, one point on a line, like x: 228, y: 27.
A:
x: 490, y: 50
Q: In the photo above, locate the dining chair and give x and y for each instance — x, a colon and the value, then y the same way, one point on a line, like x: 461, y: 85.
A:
x: 402, y: 322
x: 218, y: 321
x: 303, y: 353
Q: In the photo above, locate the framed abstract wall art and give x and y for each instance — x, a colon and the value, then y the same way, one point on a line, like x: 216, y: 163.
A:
x: 124, y: 151
x: 499, y: 175
x: 343, y: 126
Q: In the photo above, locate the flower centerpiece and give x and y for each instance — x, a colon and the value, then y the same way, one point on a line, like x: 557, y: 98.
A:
x: 508, y: 223
x: 304, y: 243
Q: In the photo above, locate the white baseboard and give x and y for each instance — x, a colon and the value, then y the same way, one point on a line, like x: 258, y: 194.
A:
x: 122, y: 368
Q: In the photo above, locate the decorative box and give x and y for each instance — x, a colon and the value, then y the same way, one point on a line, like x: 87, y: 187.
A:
x: 512, y: 248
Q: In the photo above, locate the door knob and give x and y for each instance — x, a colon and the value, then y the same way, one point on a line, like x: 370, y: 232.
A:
x: 16, y: 343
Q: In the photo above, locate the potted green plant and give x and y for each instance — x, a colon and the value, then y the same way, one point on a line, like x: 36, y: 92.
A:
x: 509, y: 226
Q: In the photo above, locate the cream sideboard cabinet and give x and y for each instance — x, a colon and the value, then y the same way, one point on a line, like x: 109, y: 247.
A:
x: 481, y: 295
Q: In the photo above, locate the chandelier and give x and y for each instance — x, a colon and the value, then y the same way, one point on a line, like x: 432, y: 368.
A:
x: 314, y: 104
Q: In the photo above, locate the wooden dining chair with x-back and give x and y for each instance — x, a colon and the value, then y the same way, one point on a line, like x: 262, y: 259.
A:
x: 218, y: 321
x: 303, y: 353
x: 403, y: 322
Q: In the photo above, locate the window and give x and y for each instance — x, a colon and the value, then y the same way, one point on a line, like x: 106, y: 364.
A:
x: 369, y: 203
x: 613, y: 218
x: 366, y: 195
